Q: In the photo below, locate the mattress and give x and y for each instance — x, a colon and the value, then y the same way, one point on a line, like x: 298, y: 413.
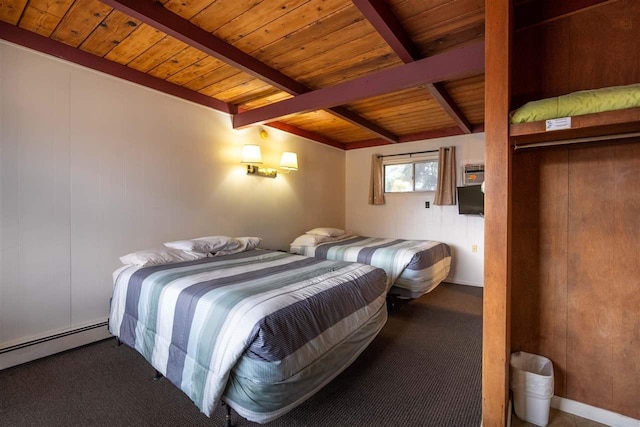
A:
x: 413, y: 267
x: 261, y: 330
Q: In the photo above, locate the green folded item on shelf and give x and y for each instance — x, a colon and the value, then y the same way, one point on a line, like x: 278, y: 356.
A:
x: 578, y: 103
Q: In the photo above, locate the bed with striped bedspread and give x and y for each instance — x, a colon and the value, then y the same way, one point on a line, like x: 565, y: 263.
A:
x: 260, y: 330
x: 413, y: 267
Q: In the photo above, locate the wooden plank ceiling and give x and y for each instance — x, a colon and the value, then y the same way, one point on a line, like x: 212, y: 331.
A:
x: 346, y: 73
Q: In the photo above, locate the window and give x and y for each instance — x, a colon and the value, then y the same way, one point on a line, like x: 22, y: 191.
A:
x: 411, y: 174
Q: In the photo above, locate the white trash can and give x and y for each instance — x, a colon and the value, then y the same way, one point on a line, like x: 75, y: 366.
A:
x: 532, y: 385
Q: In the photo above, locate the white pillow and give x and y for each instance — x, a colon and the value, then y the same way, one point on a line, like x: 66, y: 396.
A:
x: 158, y: 256
x: 326, y: 231
x: 204, y: 244
x: 310, y: 240
x: 250, y: 242
x: 244, y: 244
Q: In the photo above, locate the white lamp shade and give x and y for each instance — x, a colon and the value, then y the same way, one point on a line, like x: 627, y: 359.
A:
x: 251, y: 154
x: 289, y: 161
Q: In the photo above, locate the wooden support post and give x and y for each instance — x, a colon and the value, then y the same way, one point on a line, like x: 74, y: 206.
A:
x: 497, y: 224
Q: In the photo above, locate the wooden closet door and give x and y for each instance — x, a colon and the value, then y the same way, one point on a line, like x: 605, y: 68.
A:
x: 576, y: 270
x: 604, y: 277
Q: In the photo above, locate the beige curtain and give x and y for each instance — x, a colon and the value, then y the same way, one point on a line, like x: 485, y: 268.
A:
x: 376, y: 185
x: 446, y: 189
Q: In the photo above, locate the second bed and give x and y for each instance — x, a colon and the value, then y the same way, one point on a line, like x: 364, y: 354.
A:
x: 413, y: 267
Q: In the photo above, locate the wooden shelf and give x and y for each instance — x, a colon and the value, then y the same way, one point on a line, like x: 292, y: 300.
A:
x: 589, y: 125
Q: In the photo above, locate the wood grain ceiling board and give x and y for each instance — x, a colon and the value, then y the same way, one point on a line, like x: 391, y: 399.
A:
x: 327, y: 125
x: 186, y: 8
x: 139, y: 41
x: 301, y: 37
x: 451, y: 41
x: 238, y: 79
x: 436, y: 17
x: 220, y: 19
x: 357, y: 58
x: 469, y: 96
x: 80, y: 21
x: 109, y: 33
x: 164, y: 49
x: 445, y: 18
x: 321, y: 46
x: 43, y: 16
x: 416, y: 113
x: 213, y: 77
x: 10, y: 11
x: 318, y: 43
x: 419, y: 104
x: 435, y: 26
x: 352, y: 51
x: 177, y: 62
x: 252, y: 89
x: 218, y: 13
x: 260, y: 15
x: 188, y: 74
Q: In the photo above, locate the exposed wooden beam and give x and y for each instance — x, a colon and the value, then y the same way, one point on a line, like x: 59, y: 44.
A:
x: 532, y: 14
x: 440, y: 94
x: 156, y: 15
x: 43, y: 44
x: 380, y: 15
x: 459, y: 63
x: 345, y: 114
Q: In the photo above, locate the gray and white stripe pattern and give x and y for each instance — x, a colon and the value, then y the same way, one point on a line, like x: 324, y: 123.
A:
x: 413, y: 267
x: 194, y: 321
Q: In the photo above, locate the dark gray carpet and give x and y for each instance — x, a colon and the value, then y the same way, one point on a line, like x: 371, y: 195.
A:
x: 424, y: 369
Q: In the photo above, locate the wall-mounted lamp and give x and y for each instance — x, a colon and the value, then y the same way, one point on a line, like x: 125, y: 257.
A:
x: 289, y: 161
x: 251, y: 156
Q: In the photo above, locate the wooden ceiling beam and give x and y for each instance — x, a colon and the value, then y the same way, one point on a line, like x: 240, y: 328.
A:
x: 454, y: 64
x: 384, y: 21
x: 156, y: 15
x: 440, y: 94
x: 14, y: 34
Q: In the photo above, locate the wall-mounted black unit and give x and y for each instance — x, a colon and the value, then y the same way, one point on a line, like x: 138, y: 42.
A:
x: 470, y: 200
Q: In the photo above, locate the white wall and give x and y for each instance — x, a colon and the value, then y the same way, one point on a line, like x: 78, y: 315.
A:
x: 93, y: 167
x: 404, y: 215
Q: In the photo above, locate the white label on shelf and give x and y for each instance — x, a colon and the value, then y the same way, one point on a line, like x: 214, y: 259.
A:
x: 557, y: 124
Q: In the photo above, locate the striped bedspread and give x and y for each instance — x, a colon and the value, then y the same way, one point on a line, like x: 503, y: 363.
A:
x: 413, y: 267
x: 278, y: 313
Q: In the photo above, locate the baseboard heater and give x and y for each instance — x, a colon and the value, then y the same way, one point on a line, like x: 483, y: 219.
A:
x: 51, y: 344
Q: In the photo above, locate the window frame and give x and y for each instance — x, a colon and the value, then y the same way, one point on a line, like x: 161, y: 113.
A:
x: 410, y: 159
